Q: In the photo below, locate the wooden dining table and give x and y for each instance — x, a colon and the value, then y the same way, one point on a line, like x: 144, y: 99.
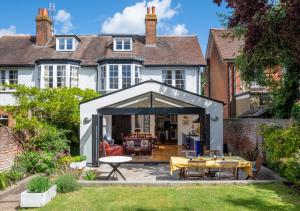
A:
x: 177, y: 163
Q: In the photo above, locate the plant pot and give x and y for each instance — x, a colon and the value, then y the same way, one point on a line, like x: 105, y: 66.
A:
x: 78, y: 165
x: 37, y: 199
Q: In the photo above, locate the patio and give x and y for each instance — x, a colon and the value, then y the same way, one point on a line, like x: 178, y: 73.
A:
x: 160, y: 174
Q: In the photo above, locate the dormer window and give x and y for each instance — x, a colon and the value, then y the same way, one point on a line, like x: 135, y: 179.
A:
x: 65, y: 44
x: 123, y: 44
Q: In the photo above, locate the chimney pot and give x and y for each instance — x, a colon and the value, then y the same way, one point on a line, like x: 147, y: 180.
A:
x: 153, y: 10
x: 43, y: 12
x: 148, y: 10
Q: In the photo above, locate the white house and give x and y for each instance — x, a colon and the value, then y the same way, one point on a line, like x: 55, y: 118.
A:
x: 124, y: 68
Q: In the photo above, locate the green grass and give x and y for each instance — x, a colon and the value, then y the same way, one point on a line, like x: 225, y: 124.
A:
x: 264, y: 197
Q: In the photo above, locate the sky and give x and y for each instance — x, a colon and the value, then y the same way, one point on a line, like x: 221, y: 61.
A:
x: 175, y: 17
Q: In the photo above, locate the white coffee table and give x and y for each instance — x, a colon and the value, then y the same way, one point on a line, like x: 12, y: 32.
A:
x: 115, y: 162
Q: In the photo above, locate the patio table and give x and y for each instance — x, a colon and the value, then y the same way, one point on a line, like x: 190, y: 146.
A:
x: 182, y: 162
x: 115, y: 162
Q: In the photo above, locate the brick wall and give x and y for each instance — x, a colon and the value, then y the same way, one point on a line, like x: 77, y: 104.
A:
x: 218, y: 79
x: 241, y: 134
x: 9, y: 148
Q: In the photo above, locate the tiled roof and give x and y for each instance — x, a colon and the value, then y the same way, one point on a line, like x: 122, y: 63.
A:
x: 228, y: 46
x: 170, y: 50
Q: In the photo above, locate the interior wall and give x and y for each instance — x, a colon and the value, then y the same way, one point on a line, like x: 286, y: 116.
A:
x: 184, y: 128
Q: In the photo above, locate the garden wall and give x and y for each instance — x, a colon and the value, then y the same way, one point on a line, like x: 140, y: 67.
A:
x: 9, y: 148
x: 241, y: 134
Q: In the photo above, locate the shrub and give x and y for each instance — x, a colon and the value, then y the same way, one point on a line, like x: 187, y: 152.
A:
x: 37, y: 162
x: 3, y: 181
x: 51, y: 139
x: 296, y: 112
x: 39, y: 184
x: 14, y: 176
x: 90, y: 175
x: 67, y: 183
x: 282, y: 146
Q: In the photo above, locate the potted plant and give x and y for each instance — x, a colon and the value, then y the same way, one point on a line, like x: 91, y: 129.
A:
x: 39, y: 192
x: 78, y: 162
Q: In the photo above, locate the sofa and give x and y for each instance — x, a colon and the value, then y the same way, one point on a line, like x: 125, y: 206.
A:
x: 114, y: 150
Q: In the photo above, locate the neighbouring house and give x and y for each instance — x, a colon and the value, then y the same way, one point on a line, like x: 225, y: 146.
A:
x: 223, y: 81
x: 149, y: 84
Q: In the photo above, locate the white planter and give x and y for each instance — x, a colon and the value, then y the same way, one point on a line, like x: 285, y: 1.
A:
x: 78, y: 165
x: 37, y: 199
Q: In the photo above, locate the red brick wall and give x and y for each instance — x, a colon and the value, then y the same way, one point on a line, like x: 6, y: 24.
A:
x: 218, y: 79
x: 241, y: 134
x: 9, y: 148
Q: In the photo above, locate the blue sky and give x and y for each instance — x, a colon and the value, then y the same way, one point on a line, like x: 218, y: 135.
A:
x: 114, y: 16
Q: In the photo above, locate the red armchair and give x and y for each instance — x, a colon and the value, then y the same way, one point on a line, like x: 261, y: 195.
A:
x: 115, y: 150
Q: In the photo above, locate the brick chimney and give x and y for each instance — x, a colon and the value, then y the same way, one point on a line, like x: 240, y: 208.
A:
x: 43, y: 27
x: 150, y: 21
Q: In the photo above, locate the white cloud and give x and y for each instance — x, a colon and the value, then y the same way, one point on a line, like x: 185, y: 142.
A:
x: 64, y: 18
x: 132, y: 18
x: 179, y: 29
x: 11, y: 30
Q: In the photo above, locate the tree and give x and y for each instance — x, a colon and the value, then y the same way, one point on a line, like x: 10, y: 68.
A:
x: 41, y: 111
x: 271, y: 32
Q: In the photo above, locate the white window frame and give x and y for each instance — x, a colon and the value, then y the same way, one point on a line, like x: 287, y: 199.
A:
x: 7, y: 79
x: 122, y: 39
x: 126, y: 76
x: 65, y: 44
x: 113, y: 77
x: 173, y: 79
x: 106, y: 86
x: 70, y: 79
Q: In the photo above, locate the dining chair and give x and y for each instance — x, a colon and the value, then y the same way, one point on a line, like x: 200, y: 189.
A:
x: 227, y: 169
x: 212, y: 152
x: 256, y: 167
x: 195, y: 169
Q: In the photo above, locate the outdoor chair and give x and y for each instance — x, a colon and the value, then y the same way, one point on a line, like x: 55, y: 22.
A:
x: 189, y: 153
x: 195, y: 169
x: 227, y: 169
x: 212, y: 152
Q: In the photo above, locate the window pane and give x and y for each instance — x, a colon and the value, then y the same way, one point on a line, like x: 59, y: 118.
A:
x: 113, y: 77
x: 74, y: 76
x: 127, y: 44
x: 179, y: 79
x: 167, y: 77
x: 103, y: 78
x: 126, y: 76
x: 137, y: 75
x: 2, y: 79
x: 69, y: 43
x: 61, y: 76
x: 61, y: 43
x: 119, y: 44
x: 48, y: 76
x: 13, y: 76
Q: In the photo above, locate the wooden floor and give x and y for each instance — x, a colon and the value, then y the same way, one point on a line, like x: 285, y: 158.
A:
x: 161, y: 154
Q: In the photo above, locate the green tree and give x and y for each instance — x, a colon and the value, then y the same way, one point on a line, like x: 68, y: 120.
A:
x: 42, y: 112
x: 271, y: 33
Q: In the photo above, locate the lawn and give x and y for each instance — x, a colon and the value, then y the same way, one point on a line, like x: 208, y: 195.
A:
x: 205, y: 197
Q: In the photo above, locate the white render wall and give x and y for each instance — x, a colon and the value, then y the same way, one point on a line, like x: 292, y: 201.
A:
x: 26, y: 76
x: 88, y: 78
x: 215, y: 109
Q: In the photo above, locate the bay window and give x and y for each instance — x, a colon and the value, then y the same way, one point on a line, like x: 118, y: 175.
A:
x: 57, y: 76
x: 113, y: 76
x: 2, y: 79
